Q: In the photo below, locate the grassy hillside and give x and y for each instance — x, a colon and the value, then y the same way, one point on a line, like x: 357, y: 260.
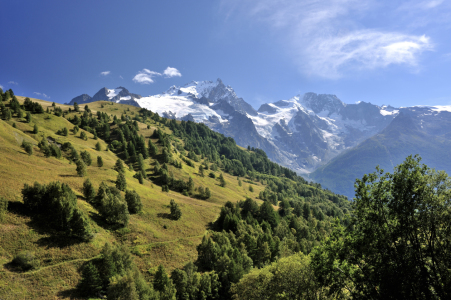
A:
x: 152, y: 237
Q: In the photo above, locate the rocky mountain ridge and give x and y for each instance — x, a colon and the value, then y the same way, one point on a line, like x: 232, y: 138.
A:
x: 303, y: 133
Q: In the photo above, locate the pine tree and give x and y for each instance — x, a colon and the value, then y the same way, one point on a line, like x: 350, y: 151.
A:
x: 90, y: 284
x: 201, y: 171
x: 28, y: 117
x: 81, y: 168
x: 207, y: 193
x: 121, y: 183
x: 76, y: 107
x: 86, y: 157
x: 88, y: 191
x: 98, y: 146
x: 176, y: 213
x: 222, y: 181
x: 133, y: 201
x: 119, y: 167
x: 83, y: 136
x: 161, y: 279
x: 99, y: 161
x: 35, y: 129
x: 190, y: 185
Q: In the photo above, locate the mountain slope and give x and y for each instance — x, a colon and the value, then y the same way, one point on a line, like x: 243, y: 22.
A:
x: 419, y: 130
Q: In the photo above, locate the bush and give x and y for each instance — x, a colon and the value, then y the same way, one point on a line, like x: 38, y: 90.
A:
x: 28, y: 147
x: 35, y: 129
x: 98, y: 146
x: 212, y: 175
x: 26, y: 261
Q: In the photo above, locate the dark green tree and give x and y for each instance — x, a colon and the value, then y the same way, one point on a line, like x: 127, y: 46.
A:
x: 222, y: 181
x: 133, y: 201
x: 81, y: 168
x: 86, y: 157
x: 397, y: 243
x: 121, y: 183
x: 35, y: 129
x: 88, y: 191
x: 83, y: 136
x: 99, y: 161
x: 119, y: 166
x: 176, y: 212
x: 98, y: 146
x: 28, y: 117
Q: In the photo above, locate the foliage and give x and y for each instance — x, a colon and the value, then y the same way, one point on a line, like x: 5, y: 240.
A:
x: 121, y: 183
x: 86, y: 157
x: 111, y: 206
x: 58, y: 204
x: 88, y: 191
x: 397, y: 243
x: 99, y: 161
x: 25, y: 260
x: 176, y: 212
x: 133, y: 201
x: 81, y: 168
x: 288, y: 278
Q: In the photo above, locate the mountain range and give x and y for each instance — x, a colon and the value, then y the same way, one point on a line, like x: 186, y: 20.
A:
x: 317, y: 135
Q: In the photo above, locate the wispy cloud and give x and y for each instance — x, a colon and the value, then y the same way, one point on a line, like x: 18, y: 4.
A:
x: 328, y: 38
x: 121, y: 77
x: 13, y: 82
x: 105, y: 73
x: 172, y: 72
x: 145, y: 76
x: 41, y: 94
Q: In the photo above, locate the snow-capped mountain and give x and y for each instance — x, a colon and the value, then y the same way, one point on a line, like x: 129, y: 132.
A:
x: 119, y: 95
x: 302, y: 133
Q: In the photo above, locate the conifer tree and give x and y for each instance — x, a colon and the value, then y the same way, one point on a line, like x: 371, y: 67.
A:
x: 222, y: 181
x: 86, y: 157
x: 28, y: 117
x: 83, y: 136
x: 98, y: 146
x: 81, y: 168
x: 35, y: 129
x: 119, y: 167
x: 161, y: 279
x: 99, y: 161
x: 201, y: 171
x: 176, y: 213
x: 88, y: 191
x: 133, y: 201
x: 207, y: 193
x: 76, y: 107
x: 121, y: 183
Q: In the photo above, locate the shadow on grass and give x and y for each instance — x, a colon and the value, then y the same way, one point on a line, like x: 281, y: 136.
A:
x: 18, y: 208
x: 61, y: 175
x: 164, y: 216
x: 102, y: 223
x: 73, y: 293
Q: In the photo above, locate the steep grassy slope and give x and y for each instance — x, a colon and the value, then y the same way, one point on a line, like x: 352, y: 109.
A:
x: 154, y: 238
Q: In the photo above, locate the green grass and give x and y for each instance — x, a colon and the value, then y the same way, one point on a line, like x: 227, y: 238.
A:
x: 151, y: 236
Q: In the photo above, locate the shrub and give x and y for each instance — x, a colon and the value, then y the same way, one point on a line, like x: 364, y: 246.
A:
x: 212, y: 175
x: 28, y: 147
x: 25, y: 261
x: 35, y: 129
x: 98, y: 146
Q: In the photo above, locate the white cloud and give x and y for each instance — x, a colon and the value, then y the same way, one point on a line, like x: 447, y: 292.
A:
x: 42, y: 94
x: 145, y: 76
x: 121, y: 77
x: 105, y: 73
x: 13, y: 82
x: 327, y: 38
x: 171, y: 72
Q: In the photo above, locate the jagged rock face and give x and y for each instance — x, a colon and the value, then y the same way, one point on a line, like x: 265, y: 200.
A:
x: 118, y: 95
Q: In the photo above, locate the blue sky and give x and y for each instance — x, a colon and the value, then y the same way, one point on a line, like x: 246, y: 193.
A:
x: 383, y: 52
